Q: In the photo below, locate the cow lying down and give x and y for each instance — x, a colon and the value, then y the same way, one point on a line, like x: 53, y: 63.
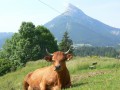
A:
x: 54, y: 77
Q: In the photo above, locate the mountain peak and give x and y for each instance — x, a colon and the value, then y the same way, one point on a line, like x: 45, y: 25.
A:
x: 71, y: 9
x: 83, y: 29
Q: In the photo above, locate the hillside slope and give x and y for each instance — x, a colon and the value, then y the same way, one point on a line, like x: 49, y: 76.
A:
x: 83, y: 29
x: 106, y: 75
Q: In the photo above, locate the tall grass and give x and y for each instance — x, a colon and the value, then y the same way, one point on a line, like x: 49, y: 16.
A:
x: 106, y: 75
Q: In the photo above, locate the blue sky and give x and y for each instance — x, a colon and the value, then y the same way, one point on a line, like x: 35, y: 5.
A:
x: 14, y: 12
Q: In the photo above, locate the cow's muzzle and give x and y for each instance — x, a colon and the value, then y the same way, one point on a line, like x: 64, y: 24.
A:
x: 57, y: 68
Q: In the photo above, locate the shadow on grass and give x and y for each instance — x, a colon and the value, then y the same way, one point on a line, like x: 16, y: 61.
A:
x: 75, y: 85
x: 79, y: 84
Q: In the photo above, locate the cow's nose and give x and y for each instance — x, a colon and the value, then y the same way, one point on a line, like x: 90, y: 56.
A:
x: 57, y: 67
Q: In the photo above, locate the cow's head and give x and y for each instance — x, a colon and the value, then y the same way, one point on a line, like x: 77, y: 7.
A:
x: 58, y: 59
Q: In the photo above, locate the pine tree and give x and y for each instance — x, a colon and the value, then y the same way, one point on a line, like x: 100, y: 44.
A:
x: 66, y: 43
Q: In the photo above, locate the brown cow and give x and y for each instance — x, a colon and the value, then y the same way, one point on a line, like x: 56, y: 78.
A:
x: 54, y: 77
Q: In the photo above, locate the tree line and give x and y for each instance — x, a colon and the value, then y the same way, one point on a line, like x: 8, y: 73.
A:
x: 96, y: 51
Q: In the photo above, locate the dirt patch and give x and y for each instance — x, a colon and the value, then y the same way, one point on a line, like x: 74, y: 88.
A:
x: 75, y: 78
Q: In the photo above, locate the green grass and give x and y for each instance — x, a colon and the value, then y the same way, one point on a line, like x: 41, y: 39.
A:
x: 106, y: 76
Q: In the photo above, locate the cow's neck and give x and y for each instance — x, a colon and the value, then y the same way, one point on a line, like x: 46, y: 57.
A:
x: 61, y: 76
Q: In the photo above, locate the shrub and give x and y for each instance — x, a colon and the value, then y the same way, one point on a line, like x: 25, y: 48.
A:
x: 5, y: 66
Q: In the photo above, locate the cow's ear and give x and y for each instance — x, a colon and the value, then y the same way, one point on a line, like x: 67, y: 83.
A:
x: 48, y: 58
x: 69, y: 56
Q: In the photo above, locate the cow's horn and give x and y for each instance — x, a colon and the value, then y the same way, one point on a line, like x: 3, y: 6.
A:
x: 48, y: 52
x: 67, y: 51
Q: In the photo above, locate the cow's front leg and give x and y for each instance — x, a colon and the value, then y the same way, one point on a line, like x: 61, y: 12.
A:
x: 56, y: 88
x: 68, y: 85
x: 42, y: 86
x: 30, y: 88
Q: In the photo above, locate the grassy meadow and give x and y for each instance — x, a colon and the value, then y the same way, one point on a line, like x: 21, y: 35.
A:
x: 104, y: 76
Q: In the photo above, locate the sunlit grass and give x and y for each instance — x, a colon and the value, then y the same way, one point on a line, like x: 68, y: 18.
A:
x: 106, y: 75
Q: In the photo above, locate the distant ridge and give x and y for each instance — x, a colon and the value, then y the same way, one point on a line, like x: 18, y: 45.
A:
x: 83, y: 29
x: 4, y: 36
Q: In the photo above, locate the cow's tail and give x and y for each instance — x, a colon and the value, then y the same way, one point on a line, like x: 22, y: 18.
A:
x: 25, y: 85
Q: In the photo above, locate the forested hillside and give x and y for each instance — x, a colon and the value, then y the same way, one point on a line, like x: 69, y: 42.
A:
x: 84, y: 51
